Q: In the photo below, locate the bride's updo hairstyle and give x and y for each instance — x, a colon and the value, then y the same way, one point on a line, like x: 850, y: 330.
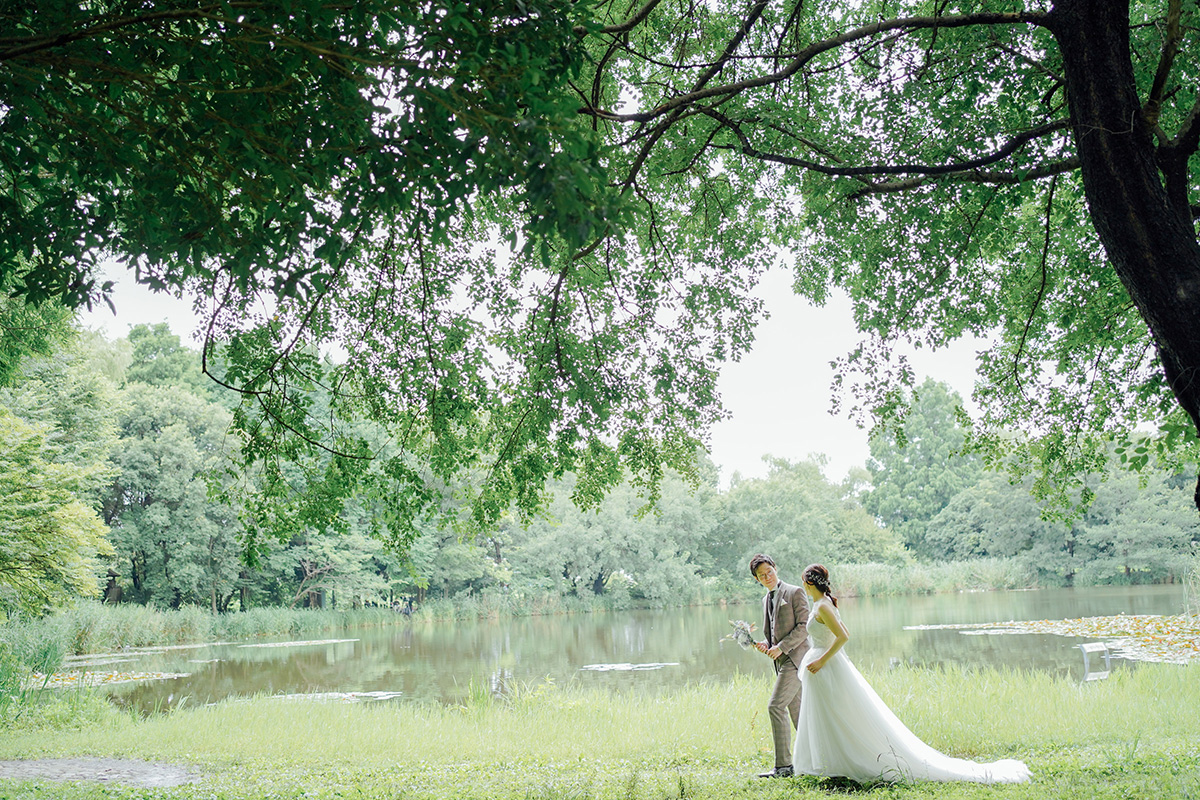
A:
x: 818, y: 576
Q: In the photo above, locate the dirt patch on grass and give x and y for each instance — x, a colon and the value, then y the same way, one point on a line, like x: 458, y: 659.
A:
x: 105, y: 770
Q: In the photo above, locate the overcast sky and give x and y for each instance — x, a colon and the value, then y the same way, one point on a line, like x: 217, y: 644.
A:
x: 778, y: 395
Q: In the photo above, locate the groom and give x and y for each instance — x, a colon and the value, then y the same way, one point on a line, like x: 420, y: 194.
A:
x: 785, y: 612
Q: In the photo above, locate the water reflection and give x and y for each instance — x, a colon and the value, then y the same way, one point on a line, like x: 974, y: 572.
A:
x: 439, y: 663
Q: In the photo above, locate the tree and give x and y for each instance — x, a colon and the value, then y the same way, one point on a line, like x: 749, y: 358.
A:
x: 654, y: 549
x: 67, y: 393
x: 157, y: 358
x: 1137, y: 529
x: 918, y: 469
x: 798, y: 517
x: 60, y: 431
x: 361, y: 167
x: 1136, y: 532
x: 996, y: 518
x: 320, y: 570
x: 50, y: 539
x: 29, y: 330
x: 174, y: 545
x: 942, y: 162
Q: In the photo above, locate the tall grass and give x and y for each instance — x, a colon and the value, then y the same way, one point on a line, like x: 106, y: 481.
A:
x: 982, y: 574
x: 496, y: 604
x: 1191, y: 583
x: 95, y: 628
x: 23, y: 656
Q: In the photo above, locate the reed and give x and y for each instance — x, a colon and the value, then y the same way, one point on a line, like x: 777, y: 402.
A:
x: 1191, y: 582
x: 982, y: 574
x: 95, y: 628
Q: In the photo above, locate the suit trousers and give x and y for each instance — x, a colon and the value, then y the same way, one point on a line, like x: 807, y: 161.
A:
x: 784, y: 708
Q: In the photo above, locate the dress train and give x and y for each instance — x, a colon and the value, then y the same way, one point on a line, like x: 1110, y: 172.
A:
x: 846, y: 730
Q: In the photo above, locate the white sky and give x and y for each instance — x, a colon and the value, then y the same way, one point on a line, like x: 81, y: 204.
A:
x: 778, y: 395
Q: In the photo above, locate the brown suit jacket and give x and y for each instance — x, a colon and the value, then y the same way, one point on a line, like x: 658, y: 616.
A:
x: 791, y: 621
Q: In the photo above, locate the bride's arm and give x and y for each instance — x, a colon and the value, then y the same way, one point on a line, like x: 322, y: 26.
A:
x: 827, y: 615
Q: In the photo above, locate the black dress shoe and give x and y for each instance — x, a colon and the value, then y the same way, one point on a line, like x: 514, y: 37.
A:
x: 778, y: 772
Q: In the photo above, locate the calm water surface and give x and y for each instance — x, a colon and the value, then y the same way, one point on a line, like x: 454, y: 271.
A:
x: 632, y: 650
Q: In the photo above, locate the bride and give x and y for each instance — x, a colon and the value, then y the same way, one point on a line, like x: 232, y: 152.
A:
x: 845, y: 730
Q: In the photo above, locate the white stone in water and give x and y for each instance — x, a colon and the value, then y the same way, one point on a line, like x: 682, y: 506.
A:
x: 628, y: 667
x: 310, y: 643
x: 340, y: 697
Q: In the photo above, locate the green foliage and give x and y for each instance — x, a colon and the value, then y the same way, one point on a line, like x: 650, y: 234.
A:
x: 29, y: 330
x: 408, y: 183
x: 312, y: 567
x: 49, y: 539
x: 622, y: 546
x: 918, y: 466
x: 69, y: 396
x: 999, y: 519
x: 174, y: 546
x: 1137, y: 531
x: 927, y: 162
x: 223, y: 147
x: 799, y: 518
x: 530, y: 231
x: 158, y: 359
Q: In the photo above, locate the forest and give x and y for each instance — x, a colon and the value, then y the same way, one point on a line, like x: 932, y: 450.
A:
x: 123, y: 452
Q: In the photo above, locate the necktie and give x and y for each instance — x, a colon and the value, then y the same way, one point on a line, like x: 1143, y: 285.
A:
x: 771, y: 618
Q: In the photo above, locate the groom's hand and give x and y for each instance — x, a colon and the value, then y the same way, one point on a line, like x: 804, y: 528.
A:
x: 775, y: 652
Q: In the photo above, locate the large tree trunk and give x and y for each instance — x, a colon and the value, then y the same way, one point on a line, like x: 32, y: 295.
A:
x: 1150, y: 241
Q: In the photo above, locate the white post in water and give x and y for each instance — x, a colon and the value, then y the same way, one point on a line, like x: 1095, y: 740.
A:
x: 1088, y: 649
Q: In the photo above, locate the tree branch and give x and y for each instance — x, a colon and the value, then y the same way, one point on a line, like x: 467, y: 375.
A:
x: 1005, y: 151
x: 1188, y: 139
x: 973, y: 176
x: 1037, y: 301
x: 625, y: 26
x: 702, y: 92
x: 1153, y: 106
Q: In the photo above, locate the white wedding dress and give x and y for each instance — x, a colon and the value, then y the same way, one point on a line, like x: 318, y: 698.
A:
x: 846, y: 730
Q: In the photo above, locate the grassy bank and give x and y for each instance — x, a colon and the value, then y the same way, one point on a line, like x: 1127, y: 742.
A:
x: 1132, y: 735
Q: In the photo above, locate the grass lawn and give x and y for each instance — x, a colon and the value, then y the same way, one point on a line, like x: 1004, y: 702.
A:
x: 1136, y: 734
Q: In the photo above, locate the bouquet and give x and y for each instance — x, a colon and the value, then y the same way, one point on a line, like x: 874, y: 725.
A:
x: 742, y: 633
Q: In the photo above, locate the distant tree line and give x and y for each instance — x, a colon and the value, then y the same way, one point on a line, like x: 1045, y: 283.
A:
x: 1137, y: 528
x: 123, y: 450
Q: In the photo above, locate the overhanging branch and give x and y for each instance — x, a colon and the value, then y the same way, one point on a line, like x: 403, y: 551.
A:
x: 812, y: 51
x: 1010, y: 147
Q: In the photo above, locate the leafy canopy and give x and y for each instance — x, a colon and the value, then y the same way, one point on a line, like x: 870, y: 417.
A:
x: 529, y: 229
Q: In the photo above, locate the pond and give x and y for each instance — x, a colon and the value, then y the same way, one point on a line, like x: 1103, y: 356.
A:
x: 631, y: 650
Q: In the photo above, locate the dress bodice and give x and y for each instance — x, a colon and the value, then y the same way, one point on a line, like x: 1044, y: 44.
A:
x: 820, y: 637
